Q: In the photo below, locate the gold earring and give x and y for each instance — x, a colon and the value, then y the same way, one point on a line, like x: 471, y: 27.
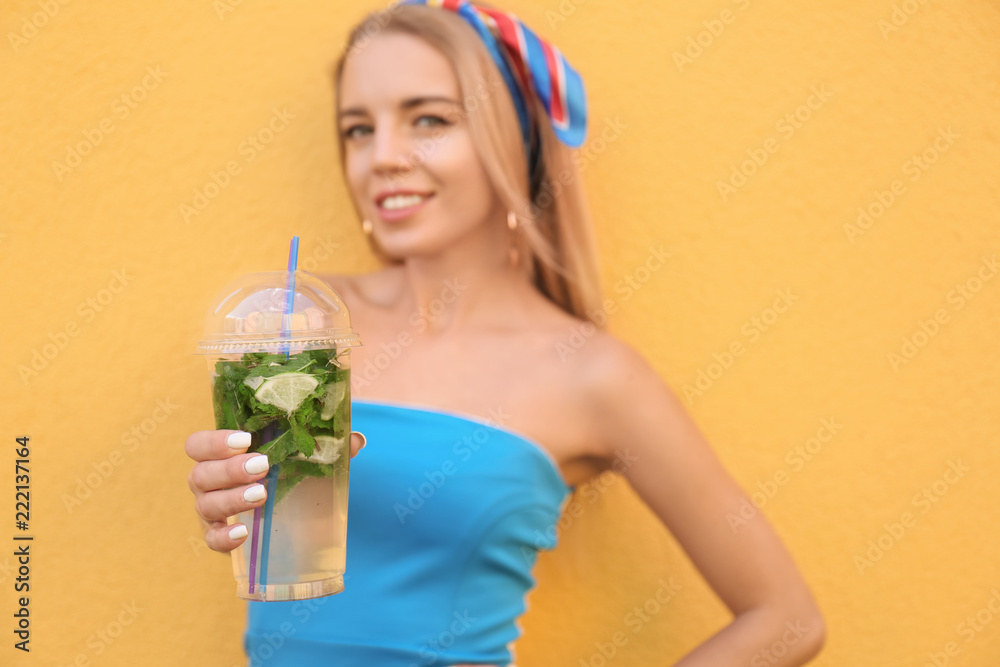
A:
x: 512, y: 224
x: 366, y: 227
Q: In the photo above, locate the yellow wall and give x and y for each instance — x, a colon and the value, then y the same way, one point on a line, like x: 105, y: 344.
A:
x: 110, y: 229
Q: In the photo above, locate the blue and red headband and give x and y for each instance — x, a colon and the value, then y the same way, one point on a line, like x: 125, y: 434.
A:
x: 538, y: 67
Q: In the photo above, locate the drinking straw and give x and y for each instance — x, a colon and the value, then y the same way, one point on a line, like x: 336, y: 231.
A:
x: 272, y: 474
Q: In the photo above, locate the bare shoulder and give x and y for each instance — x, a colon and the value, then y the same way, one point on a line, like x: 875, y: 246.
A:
x: 620, y: 389
x: 608, y: 362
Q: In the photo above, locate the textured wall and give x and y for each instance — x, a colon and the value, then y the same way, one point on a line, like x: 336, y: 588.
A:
x: 743, y: 138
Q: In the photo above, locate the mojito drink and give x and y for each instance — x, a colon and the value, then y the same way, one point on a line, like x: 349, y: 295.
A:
x: 279, y: 359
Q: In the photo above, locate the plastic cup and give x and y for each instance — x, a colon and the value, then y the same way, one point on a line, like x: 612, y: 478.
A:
x: 285, y: 378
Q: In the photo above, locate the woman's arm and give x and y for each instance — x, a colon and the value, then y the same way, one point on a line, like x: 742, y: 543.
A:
x: 675, y: 471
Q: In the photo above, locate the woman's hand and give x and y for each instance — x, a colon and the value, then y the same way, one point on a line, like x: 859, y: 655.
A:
x: 223, y: 482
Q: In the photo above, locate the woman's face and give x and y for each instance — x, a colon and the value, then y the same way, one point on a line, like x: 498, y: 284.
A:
x: 404, y: 128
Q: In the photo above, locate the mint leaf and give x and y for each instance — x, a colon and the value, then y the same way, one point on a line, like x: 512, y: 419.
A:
x: 279, y: 449
x: 229, y: 409
x: 294, y: 467
x: 236, y: 407
x: 305, y: 443
x: 258, y: 422
x: 342, y: 417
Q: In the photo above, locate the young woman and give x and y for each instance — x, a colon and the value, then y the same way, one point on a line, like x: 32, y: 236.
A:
x: 480, y: 423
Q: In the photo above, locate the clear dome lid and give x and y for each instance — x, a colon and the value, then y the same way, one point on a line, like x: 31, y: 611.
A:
x: 248, y: 315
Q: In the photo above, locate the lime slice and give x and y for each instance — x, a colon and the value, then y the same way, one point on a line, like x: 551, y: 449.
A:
x: 253, y: 382
x: 332, y: 397
x: 328, y: 449
x: 286, y: 391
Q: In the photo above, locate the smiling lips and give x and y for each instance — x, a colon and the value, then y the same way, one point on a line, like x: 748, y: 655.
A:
x: 399, y: 204
x: 396, y: 202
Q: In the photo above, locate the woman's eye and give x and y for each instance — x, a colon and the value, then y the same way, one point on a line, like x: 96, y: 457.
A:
x: 353, y: 131
x: 349, y: 132
x: 436, y: 119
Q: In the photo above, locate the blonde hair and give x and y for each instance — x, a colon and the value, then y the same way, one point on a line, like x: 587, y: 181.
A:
x: 555, y: 241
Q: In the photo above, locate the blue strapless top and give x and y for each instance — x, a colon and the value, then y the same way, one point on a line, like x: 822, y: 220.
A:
x: 446, y: 515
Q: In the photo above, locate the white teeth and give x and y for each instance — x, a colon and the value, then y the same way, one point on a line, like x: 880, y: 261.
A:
x: 401, y: 201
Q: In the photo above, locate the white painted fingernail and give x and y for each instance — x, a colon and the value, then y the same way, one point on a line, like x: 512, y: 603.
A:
x: 238, y: 532
x: 238, y: 440
x: 255, y: 493
x: 364, y: 440
x: 256, y: 465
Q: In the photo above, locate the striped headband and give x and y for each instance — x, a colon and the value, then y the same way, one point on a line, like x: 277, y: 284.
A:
x: 554, y: 81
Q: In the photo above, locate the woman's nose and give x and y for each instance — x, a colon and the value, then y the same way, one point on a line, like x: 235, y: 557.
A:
x: 392, y: 150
